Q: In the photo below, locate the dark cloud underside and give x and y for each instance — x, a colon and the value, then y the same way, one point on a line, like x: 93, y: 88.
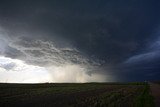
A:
x: 106, y: 33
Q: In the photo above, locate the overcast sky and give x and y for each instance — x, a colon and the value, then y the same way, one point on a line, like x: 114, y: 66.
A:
x: 79, y: 40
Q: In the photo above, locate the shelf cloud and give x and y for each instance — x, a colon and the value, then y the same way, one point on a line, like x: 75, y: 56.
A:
x: 79, y: 41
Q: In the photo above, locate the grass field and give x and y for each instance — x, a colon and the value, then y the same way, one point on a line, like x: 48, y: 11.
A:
x: 76, y: 95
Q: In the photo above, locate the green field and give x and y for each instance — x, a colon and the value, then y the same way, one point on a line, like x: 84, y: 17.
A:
x: 76, y: 95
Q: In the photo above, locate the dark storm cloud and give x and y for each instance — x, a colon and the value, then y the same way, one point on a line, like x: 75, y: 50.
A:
x: 108, y: 27
x: 106, y: 31
x: 145, y: 64
x: 45, y: 52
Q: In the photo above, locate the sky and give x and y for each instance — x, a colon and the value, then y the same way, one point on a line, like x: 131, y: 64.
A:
x: 79, y: 41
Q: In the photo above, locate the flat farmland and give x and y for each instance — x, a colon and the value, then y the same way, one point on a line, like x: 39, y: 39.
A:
x: 76, y: 95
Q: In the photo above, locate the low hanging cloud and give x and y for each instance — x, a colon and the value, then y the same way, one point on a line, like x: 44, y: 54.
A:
x: 45, y: 53
x: 14, y: 70
x: 56, y: 64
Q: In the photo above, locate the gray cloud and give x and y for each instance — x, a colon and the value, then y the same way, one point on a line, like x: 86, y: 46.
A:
x: 8, y: 66
x: 102, y: 36
x: 144, y: 58
x: 151, y: 53
x: 45, y: 53
x: 62, y: 64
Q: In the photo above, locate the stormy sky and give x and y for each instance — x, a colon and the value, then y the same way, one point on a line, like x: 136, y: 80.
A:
x: 79, y: 40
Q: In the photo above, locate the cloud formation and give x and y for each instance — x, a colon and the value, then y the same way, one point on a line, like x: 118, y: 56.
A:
x: 15, y: 71
x: 92, y: 37
x: 63, y: 64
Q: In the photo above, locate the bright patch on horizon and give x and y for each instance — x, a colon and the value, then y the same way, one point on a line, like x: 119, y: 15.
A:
x: 17, y: 71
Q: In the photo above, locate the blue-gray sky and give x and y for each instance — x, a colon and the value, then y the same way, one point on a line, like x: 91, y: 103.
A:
x: 118, y: 40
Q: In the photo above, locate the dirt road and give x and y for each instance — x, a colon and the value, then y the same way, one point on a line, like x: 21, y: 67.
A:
x: 155, y: 91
